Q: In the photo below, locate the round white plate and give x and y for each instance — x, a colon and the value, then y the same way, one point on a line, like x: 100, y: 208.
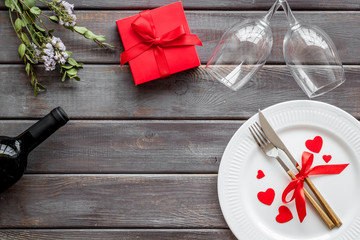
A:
x: 295, y: 122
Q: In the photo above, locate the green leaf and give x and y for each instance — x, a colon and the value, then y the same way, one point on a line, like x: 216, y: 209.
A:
x: 54, y: 19
x: 35, y: 10
x: 67, y: 66
x: 10, y: 4
x: 39, y: 28
x: 63, y: 77
x: 21, y: 50
x: 36, y: 89
x: 27, y: 68
x: 25, y: 39
x: 89, y: 35
x: 28, y: 4
x: 80, y: 30
x: 71, y: 72
x: 77, y: 78
x: 68, y: 53
x: 72, y: 61
x: 18, y: 24
x: 27, y: 19
x: 101, y: 38
x: 41, y: 87
x: 29, y: 58
x: 32, y: 80
x: 33, y: 38
x: 71, y: 28
x: 39, y: 35
x: 13, y: 5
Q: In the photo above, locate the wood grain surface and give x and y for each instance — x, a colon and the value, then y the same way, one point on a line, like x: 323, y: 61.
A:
x: 140, y: 162
x: 208, y: 25
x: 213, y: 4
x: 108, y: 92
x: 116, y: 201
x: 119, y: 234
x: 129, y: 146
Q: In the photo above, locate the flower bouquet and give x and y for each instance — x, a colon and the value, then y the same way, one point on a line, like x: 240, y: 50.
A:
x: 39, y: 44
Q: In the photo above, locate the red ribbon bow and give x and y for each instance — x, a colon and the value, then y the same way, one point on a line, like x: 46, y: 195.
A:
x: 145, y: 29
x: 297, y: 184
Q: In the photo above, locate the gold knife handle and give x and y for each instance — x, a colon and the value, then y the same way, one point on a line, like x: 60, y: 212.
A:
x: 323, y: 202
x: 317, y: 207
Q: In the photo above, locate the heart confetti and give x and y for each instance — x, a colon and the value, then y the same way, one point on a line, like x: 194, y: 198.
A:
x: 315, y: 144
x: 326, y: 158
x: 260, y: 174
x: 284, y: 215
x: 266, y: 197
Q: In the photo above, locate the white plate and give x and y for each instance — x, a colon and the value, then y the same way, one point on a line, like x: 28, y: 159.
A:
x: 295, y: 122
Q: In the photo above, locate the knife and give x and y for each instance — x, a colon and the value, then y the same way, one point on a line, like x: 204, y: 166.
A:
x: 274, y: 139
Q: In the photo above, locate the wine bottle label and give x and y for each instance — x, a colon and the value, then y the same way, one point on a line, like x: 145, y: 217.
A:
x: 7, y: 150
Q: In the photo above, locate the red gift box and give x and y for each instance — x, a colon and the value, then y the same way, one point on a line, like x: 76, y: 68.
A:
x: 158, y: 43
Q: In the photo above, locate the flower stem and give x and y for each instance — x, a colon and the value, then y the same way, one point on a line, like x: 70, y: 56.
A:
x: 23, y: 17
x: 12, y: 23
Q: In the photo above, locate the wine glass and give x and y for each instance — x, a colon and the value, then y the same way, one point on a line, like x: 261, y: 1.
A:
x: 311, y: 56
x: 242, y: 51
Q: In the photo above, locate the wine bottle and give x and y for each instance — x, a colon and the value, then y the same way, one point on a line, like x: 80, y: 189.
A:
x: 14, y: 151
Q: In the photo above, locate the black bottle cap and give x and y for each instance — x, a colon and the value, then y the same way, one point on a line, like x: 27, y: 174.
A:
x: 60, y: 115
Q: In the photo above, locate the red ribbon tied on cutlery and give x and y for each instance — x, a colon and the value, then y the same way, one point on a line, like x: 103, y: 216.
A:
x: 145, y: 29
x: 297, y: 184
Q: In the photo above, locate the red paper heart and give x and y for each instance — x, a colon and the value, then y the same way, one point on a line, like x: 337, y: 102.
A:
x: 260, y: 174
x: 327, y: 158
x: 266, y: 197
x: 284, y: 215
x: 315, y: 144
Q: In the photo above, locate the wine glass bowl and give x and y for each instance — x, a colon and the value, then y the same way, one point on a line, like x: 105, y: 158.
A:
x: 311, y: 56
x: 312, y: 59
x: 241, y: 52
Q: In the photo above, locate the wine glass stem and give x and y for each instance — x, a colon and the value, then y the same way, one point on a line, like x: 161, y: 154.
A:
x: 271, y: 12
x: 289, y: 15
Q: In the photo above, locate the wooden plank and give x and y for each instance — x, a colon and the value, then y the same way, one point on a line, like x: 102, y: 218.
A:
x: 108, y: 92
x: 129, y: 146
x: 115, y: 201
x: 342, y: 27
x: 213, y: 4
x: 109, y: 234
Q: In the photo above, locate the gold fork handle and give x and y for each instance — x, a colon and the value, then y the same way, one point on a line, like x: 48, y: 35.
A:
x: 317, y: 207
x: 323, y: 202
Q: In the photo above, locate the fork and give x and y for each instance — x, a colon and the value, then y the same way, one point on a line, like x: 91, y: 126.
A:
x: 271, y: 151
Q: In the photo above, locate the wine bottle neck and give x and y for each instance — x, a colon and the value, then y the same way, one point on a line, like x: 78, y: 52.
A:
x: 43, y: 129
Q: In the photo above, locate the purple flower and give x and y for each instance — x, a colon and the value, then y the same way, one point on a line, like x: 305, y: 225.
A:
x: 51, y: 53
x: 67, y: 9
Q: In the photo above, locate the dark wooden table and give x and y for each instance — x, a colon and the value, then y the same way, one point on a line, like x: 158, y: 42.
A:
x: 141, y: 162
